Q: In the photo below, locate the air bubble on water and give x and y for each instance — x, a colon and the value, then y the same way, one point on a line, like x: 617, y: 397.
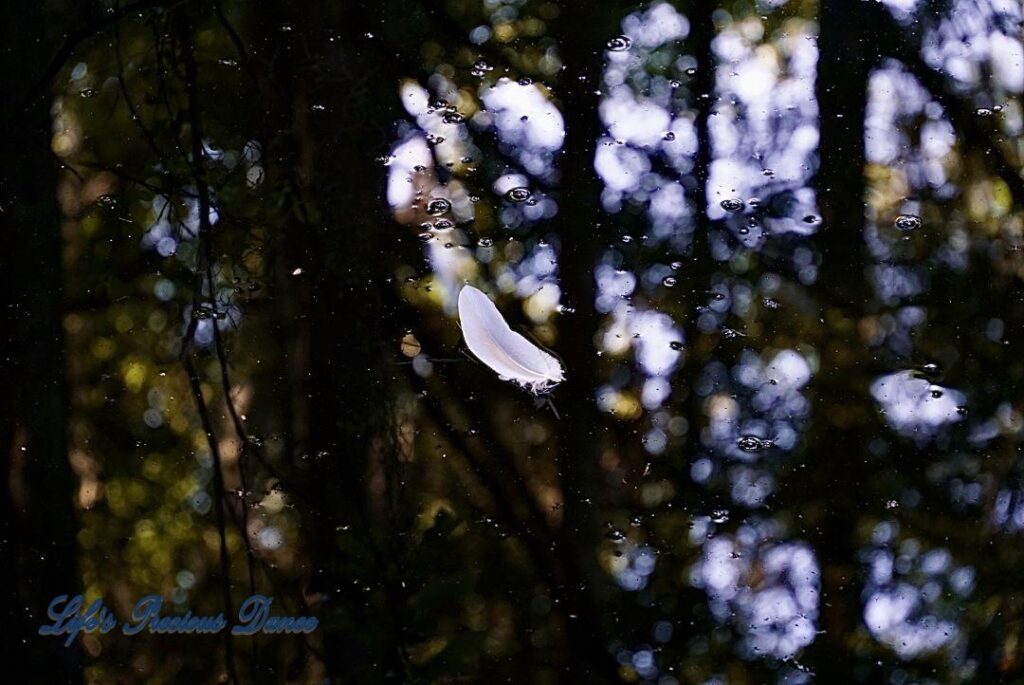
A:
x: 668, y: 282
x: 676, y: 345
x: 438, y: 206
x: 443, y: 225
x: 626, y: 239
x: 983, y: 112
x: 202, y: 312
x: 481, y: 67
x: 692, y: 71
x: 485, y: 242
x: 732, y: 204
x: 452, y: 118
x: 619, y: 43
x: 752, y: 443
x: 907, y: 222
x: 892, y: 504
x: 719, y: 515
x: 89, y: 93
x: 518, y: 194
x: 669, y: 135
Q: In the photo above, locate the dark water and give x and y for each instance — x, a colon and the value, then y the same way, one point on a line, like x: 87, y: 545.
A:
x: 775, y: 252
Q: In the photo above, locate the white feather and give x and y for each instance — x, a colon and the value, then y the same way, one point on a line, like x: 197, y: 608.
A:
x: 494, y: 343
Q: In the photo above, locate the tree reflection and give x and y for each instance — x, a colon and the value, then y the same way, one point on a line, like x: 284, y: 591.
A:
x: 776, y: 246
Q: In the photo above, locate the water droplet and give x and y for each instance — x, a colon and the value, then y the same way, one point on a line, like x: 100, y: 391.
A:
x: 692, y: 71
x: 752, y: 443
x: 518, y: 194
x: 626, y: 239
x: 732, y: 204
x: 983, y: 112
x: 620, y: 43
x: 668, y: 282
x: 720, y: 515
x: 202, y: 312
x: 481, y: 67
x: 676, y: 266
x: 908, y: 222
x: 930, y: 369
x: 438, y: 206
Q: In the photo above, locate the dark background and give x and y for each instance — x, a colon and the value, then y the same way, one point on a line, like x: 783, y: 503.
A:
x: 777, y: 247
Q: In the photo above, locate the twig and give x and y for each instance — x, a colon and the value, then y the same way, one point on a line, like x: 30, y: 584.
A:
x: 206, y: 257
x: 77, y: 37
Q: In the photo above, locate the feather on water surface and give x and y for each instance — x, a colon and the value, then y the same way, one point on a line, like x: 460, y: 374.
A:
x: 508, y: 353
